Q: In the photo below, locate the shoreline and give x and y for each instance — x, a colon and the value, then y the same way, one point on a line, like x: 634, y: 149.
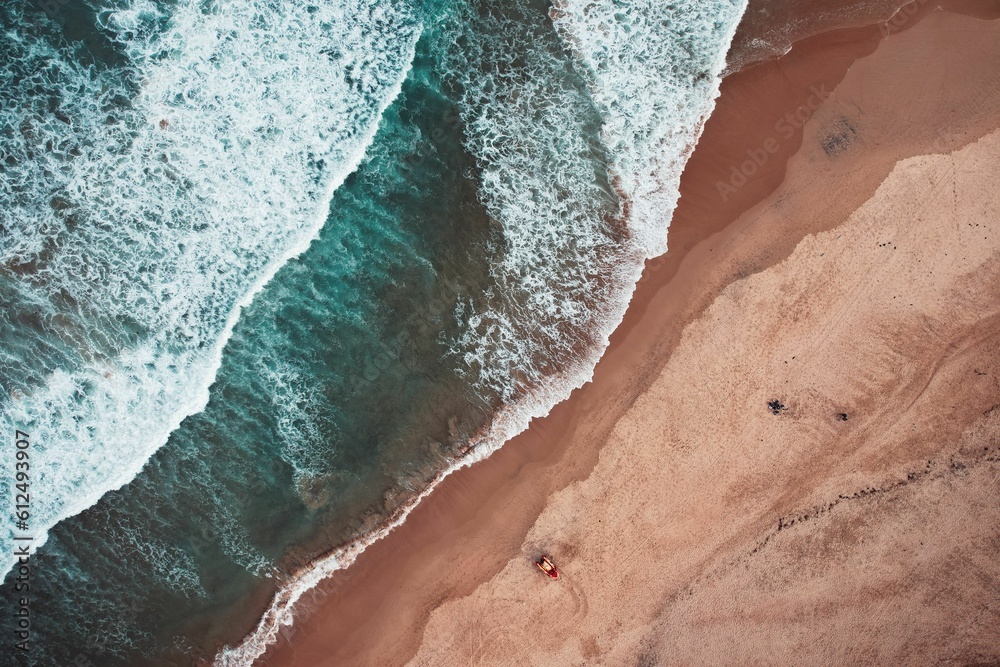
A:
x: 508, y: 423
x: 461, y: 506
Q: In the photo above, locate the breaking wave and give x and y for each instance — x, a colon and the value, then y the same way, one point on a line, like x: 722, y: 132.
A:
x: 148, y: 195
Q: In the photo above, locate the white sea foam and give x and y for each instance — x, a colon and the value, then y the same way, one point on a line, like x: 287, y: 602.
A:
x: 152, y: 207
x: 172, y: 565
x: 654, y: 79
x: 531, y: 125
x: 300, y: 411
x: 565, y: 273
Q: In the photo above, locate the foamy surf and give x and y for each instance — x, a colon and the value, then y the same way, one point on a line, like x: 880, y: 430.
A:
x: 157, y: 199
x: 565, y: 270
x: 654, y: 103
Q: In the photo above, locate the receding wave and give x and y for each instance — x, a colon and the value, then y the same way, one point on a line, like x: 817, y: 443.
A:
x: 149, y: 192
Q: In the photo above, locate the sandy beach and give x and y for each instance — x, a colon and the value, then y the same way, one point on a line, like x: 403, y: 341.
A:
x: 835, y: 254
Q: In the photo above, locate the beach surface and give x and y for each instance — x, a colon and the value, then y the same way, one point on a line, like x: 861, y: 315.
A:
x: 790, y: 453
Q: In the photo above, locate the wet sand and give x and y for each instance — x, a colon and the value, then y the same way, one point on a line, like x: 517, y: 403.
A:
x: 854, y: 272
x: 770, y: 27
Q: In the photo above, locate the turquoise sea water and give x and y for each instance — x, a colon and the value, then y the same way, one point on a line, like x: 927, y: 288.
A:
x: 268, y: 268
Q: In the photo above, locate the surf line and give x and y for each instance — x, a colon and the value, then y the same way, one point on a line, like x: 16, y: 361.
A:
x: 201, y: 380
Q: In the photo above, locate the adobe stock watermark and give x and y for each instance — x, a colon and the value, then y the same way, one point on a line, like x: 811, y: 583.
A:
x: 785, y: 128
x: 447, y: 130
x: 52, y: 8
x: 902, y: 17
x: 22, y: 542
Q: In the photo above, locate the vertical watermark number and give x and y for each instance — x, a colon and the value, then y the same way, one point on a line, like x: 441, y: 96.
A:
x: 22, y: 540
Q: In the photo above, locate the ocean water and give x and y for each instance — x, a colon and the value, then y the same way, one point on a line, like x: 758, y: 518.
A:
x: 270, y: 269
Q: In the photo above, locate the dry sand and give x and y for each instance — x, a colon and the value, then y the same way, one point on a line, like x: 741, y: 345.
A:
x: 856, y: 273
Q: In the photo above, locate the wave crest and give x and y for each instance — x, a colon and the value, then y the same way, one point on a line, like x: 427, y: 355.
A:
x: 150, y: 197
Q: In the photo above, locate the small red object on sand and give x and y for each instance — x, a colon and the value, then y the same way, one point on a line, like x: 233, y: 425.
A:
x: 547, y: 566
